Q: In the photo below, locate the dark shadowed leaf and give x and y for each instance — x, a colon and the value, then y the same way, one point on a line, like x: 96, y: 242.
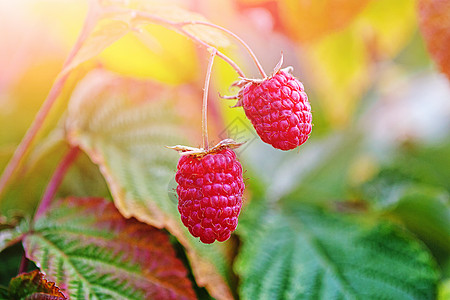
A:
x: 4, y: 295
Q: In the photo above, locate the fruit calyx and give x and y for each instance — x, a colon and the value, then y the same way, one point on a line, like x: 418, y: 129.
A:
x: 243, y: 81
x: 200, y: 152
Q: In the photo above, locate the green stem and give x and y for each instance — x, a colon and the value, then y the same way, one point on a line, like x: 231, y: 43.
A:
x: 205, y: 100
x: 241, y: 41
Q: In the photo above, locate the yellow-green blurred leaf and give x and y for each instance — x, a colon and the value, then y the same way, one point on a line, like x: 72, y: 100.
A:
x: 434, y: 21
x: 342, y: 63
x: 27, y: 188
x: 340, y: 68
x: 444, y: 290
x: 63, y: 18
x: 124, y: 125
x: 153, y: 52
x: 308, y: 20
x: 104, y: 34
x: 174, y: 13
x: 165, y: 13
x: 386, y: 26
x: 111, y: 20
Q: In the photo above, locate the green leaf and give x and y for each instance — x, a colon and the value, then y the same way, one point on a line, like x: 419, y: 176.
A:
x: 88, y: 249
x: 444, y: 290
x: 425, y: 165
x: 413, y: 167
x: 83, y: 179
x: 26, y: 190
x: 124, y: 125
x: 414, y: 190
x: 11, y: 231
x: 321, y: 175
x: 426, y: 212
x: 33, y: 285
x: 423, y: 209
x: 7, y: 237
x: 311, y: 254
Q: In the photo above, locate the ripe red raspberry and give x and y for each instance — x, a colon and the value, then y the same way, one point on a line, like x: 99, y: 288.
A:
x: 210, y: 189
x: 278, y: 108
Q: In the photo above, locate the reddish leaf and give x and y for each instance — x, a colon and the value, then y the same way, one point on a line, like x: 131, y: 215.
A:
x: 434, y: 22
x: 90, y: 250
x: 34, y: 286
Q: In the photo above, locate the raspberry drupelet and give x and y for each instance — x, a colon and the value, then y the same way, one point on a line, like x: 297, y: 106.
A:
x: 210, y: 189
x: 278, y: 108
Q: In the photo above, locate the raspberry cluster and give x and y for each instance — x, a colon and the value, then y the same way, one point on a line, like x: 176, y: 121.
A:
x: 279, y: 110
x: 210, y: 188
x: 210, y: 183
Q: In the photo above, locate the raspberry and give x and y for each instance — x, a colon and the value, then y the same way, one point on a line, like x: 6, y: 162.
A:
x: 210, y: 188
x: 278, y: 108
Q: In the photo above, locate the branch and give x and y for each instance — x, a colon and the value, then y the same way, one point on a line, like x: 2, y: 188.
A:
x: 23, y: 264
x: 56, y: 180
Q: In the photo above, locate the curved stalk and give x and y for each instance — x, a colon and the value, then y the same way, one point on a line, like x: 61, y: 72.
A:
x: 179, y: 26
x: 241, y: 41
